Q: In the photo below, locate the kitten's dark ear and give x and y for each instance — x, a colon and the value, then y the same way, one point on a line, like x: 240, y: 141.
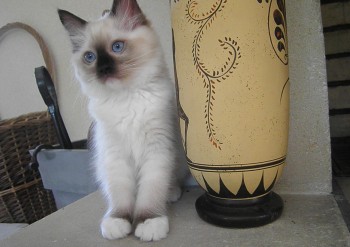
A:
x: 131, y: 11
x: 75, y: 27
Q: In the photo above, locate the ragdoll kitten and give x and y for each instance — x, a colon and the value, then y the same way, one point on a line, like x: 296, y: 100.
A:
x: 119, y: 64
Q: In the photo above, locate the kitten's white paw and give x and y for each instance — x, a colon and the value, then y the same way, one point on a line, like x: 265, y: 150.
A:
x: 114, y: 228
x: 174, y: 194
x: 153, y: 229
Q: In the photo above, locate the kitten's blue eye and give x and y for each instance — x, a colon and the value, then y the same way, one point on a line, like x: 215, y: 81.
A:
x: 89, y: 57
x: 118, y: 46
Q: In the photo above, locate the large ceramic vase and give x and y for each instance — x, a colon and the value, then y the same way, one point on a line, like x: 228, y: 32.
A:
x: 231, y: 68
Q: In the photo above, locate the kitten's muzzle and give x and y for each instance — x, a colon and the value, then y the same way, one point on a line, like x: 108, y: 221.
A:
x: 105, y: 72
x: 106, y: 66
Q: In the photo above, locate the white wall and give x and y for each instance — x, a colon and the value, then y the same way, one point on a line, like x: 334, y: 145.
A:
x: 308, y: 169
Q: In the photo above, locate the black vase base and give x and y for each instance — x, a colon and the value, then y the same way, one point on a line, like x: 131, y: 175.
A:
x: 240, y: 213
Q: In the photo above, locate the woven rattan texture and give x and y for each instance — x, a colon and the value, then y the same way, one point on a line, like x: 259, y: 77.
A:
x: 23, y: 198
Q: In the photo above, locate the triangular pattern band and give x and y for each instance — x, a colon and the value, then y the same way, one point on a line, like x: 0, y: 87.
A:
x: 243, y: 192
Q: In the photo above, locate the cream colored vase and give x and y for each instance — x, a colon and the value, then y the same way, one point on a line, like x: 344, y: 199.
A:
x: 231, y: 61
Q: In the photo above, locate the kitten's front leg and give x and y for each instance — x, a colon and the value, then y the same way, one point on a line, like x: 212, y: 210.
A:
x: 118, y: 184
x: 152, y: 224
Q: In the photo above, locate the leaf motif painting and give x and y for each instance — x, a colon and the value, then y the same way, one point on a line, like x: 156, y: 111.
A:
x: 212, y: 78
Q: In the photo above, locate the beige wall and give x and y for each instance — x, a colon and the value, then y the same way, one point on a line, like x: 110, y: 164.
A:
x: 308, y: 169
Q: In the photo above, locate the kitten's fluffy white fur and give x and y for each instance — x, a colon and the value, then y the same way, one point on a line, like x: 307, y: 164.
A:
x: 139, y: 162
